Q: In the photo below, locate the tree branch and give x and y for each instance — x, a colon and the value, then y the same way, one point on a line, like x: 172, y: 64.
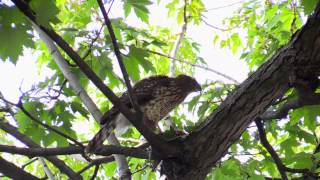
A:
x: 34, y: 119
x: 97, y: 162
x: 27, y: 141
x: 196, y: 65
x: 281, y: 167
x: 177, y: 43
x: 13, y: 171
x: 46, y: 169
x: 20, y: 106
x: 305, y: 96
x: 92, y: 42
x: 117, y: 52
x: 272, y: 152
x: 215, y: 27
x: 106, y: 150
x: 96, y: 169
x: 224, y: 6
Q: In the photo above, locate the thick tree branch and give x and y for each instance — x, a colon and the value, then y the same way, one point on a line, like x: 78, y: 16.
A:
x: 27, y: 141
x: 206, y: 146
x: 10, y: 170
x: 117, y: 52
x: 283, y: 111
x: 106, y: 150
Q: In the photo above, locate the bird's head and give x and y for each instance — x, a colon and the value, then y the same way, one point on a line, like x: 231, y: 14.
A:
x: 188, y: 83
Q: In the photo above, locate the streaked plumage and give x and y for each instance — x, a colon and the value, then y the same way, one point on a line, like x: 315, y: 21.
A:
x: 156, y: 96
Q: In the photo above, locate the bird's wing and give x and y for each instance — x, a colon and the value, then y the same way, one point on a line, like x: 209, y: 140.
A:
x: 143, y: 91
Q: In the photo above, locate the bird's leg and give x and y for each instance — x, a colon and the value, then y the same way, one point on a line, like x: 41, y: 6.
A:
x: 171, y: 124
x: 151, y: 124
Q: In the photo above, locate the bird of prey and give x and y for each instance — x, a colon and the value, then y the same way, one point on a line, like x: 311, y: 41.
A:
x: 156, y: 96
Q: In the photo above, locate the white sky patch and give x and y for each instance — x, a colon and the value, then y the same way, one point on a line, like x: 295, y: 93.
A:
x: 19, y: 77
x: 25, y: 73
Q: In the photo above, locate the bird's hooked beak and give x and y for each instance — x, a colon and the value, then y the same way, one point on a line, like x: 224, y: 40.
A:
x: 198, y: 88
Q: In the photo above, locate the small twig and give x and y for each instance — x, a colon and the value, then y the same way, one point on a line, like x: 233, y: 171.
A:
x: 97, y: 162
x: 195, y: 65
x: 141, y: 169
x: 96, y: 169
x: 282, y: 111
x: 224, y: 6
x: 92, y: 42
x: 112, y: 1
x: 215, y: 27
x: 28, y: 163
x: 58, y: 91
x: 21, y: 107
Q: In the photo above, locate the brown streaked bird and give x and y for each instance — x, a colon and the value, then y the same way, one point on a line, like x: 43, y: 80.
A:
x: 157, y: 96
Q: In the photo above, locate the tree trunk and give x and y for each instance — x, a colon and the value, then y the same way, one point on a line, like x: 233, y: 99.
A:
x: 204, y: 147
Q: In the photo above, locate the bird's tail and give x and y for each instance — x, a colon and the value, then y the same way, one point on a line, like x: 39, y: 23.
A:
x: 97, y: 141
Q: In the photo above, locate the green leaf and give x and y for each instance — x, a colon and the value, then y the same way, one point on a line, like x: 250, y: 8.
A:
x: 287, y: 146
x: 193, y: 102
x: 77, y: 107
x: 24, y: 121
x: 231, y: 167
x: 139, y: 7
x: 132, y: 67
x: 110, y: 169
x: 256, y: 177
x: 303, y: 160
x: 236, y: 42
x: 308, y: 137
x: 309, y: 6
x: 140, y: 55
x: 13, y: 31
x: 308, y: 114
x: 46, y: 11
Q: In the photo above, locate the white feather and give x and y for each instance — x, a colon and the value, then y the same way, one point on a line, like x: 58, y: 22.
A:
x: 122, y: 125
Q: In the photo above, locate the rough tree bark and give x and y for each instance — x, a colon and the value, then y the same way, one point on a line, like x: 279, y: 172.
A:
x: 206, y: 146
